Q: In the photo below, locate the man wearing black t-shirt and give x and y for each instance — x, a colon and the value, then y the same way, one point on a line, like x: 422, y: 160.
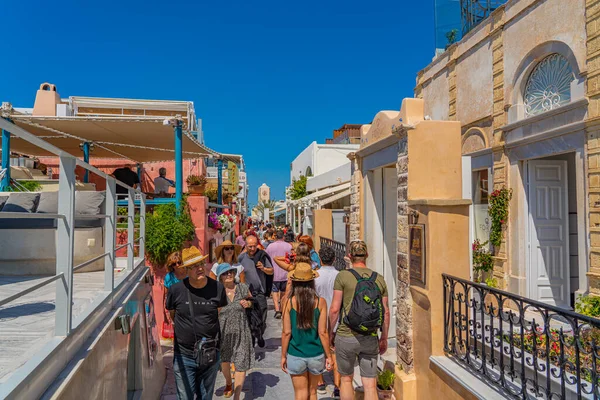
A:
x: 128, y: 177
x: 207, y: 296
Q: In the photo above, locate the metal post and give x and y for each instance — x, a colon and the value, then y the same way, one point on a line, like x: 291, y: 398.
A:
x: 5, y: 183
x: 142, y: 229
x: 86, y: 159
x: 130, y: 228
x: 220, y: 181
x: 110, y: 234
x: 65, y: 245
x: 178, y: 164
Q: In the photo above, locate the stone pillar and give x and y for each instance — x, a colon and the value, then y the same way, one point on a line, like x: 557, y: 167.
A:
x: 593, y: 142
x: 404, y: 332
x: 500, y: 159
x: 355, y: 197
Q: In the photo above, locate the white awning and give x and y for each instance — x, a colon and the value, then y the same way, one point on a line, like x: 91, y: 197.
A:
x: 321, y: 193
x: 335, y: 197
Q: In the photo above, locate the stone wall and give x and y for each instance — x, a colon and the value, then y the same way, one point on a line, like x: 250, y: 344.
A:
x: 404, y: 327
x: 355, y: 190
x: 593, y: 139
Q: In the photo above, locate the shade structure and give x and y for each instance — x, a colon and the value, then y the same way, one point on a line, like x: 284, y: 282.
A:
x: 141, y: 139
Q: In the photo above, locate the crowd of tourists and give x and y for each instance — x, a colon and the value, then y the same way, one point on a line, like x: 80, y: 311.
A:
x: 331, y: 320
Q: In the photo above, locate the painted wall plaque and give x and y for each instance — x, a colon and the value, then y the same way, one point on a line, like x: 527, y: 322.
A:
x: 416, y: 254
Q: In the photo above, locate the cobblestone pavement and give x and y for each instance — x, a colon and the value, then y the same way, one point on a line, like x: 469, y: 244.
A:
x: 265, y: 381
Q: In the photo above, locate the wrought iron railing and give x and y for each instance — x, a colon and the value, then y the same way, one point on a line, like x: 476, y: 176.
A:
x: 525, y: 348
x: 340, y: 252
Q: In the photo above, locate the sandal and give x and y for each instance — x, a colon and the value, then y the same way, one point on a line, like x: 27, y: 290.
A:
x: 228, y: 392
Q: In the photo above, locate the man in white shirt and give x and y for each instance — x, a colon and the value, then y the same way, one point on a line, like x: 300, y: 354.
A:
x: 161, y: 183
x: 324, y: 288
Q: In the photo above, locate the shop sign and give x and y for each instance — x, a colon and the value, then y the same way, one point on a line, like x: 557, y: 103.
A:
x: 242, y: 176
x: 416, y: 256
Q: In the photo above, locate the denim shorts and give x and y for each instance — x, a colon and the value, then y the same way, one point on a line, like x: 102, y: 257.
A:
x: 279, y: 286
x: 299, y: 365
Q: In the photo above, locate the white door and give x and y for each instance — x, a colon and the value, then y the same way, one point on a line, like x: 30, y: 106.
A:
x: 548, y: 232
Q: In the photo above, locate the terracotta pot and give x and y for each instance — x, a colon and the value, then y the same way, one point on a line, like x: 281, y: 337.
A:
x: 196, y: 190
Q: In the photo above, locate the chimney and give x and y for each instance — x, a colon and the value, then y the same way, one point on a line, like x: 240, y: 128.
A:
x: 46, y: 100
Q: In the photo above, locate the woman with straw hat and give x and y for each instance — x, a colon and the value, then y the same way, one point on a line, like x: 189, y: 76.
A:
x: 236, y: 338
x: 305, y: 351
x: 228, y: 252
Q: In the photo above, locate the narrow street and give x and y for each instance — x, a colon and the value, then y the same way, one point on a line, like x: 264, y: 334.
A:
x: 265, y: 381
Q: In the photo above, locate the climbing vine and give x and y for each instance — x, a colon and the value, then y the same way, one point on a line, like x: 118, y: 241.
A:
x: 482, y: 259
x: 498, y: 212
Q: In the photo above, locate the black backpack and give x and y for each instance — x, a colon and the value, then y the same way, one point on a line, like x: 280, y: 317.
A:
x: 366, y: 311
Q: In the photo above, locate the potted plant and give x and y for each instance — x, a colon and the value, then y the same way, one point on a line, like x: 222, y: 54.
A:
x: 385, y: 384
x: 212, y: 195
x: 196, y: 184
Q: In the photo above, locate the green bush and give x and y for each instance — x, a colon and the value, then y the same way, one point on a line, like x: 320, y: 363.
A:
x: 385, y: 379
x: 167, y: 231
x: 588, y: 305
x: 28, y: 186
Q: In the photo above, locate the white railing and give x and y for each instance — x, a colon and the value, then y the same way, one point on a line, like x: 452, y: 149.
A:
x: 64, y: 324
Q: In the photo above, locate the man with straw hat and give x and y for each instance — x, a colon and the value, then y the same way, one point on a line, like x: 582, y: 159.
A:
x: 194, y: 307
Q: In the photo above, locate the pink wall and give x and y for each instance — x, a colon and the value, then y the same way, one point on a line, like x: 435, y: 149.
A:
x: 150, y: 171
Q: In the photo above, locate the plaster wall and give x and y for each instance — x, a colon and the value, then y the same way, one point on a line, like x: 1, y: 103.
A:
x: 329, y: 157
x: 102, y: 370
x: 322, y: 226
x: 474, y: 84
x: 439, y: 176
x: 437, y: 97
x: 531, y: 23
x: 332, y: 177
x: 304, y: 160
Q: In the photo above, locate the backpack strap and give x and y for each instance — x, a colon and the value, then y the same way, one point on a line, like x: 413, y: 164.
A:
x: 356, y: 274
x: 373, y: 276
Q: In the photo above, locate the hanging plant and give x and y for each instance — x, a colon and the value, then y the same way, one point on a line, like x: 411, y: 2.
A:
x: 498, y: 212
x: 482, y: 260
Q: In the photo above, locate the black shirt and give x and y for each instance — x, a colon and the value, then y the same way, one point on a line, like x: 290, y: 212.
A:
x: 206, y: 301
x: 127, y: 176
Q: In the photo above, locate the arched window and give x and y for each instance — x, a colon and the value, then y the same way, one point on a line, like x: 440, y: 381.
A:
x: 308, y: 172
x: 548, y: 86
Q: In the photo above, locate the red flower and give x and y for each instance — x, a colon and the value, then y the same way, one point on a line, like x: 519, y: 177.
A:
x: 501, y: 221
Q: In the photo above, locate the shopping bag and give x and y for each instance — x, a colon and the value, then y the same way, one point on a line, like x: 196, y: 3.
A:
x: 167, y: 330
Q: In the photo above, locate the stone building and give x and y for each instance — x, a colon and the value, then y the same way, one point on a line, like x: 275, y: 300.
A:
x: 524, y: 85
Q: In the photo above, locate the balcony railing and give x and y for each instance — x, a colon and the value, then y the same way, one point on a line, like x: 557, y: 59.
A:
x: 524, y: 348
x: 340, y: 252
x: 67, y: 327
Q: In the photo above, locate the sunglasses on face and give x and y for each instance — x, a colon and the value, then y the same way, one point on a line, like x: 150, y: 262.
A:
x: 196, y: 266
x: 230, y: 272
x: 176, y: 264
x: 228, y: 248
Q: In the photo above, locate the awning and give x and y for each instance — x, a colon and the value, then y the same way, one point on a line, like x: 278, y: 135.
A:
x: 138, y: 138
x: 321, y: 193
x: 333, y: 198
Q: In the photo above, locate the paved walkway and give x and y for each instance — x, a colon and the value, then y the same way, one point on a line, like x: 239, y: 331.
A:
x: 265, y: 381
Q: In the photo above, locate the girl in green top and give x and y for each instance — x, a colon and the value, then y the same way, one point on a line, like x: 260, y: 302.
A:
x: 305, y: 351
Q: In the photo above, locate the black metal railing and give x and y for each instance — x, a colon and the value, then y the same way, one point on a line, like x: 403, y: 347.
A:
x: 340, y: 252
x: 525, y: 348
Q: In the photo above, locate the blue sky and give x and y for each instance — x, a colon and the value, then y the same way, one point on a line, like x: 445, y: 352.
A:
x: 266, y: 77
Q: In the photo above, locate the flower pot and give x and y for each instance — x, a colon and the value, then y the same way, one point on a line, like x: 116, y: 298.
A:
x: 384, y: 394
x: 196, y: 190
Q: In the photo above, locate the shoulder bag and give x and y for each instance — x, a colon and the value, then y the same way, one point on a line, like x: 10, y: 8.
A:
x: 205, y: 350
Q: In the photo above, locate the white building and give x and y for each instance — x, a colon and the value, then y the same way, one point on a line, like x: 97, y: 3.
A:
x: 328, y: 185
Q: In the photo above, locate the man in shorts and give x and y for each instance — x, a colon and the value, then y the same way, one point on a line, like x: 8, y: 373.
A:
x: 279, y: 248
x: 350, y: 345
